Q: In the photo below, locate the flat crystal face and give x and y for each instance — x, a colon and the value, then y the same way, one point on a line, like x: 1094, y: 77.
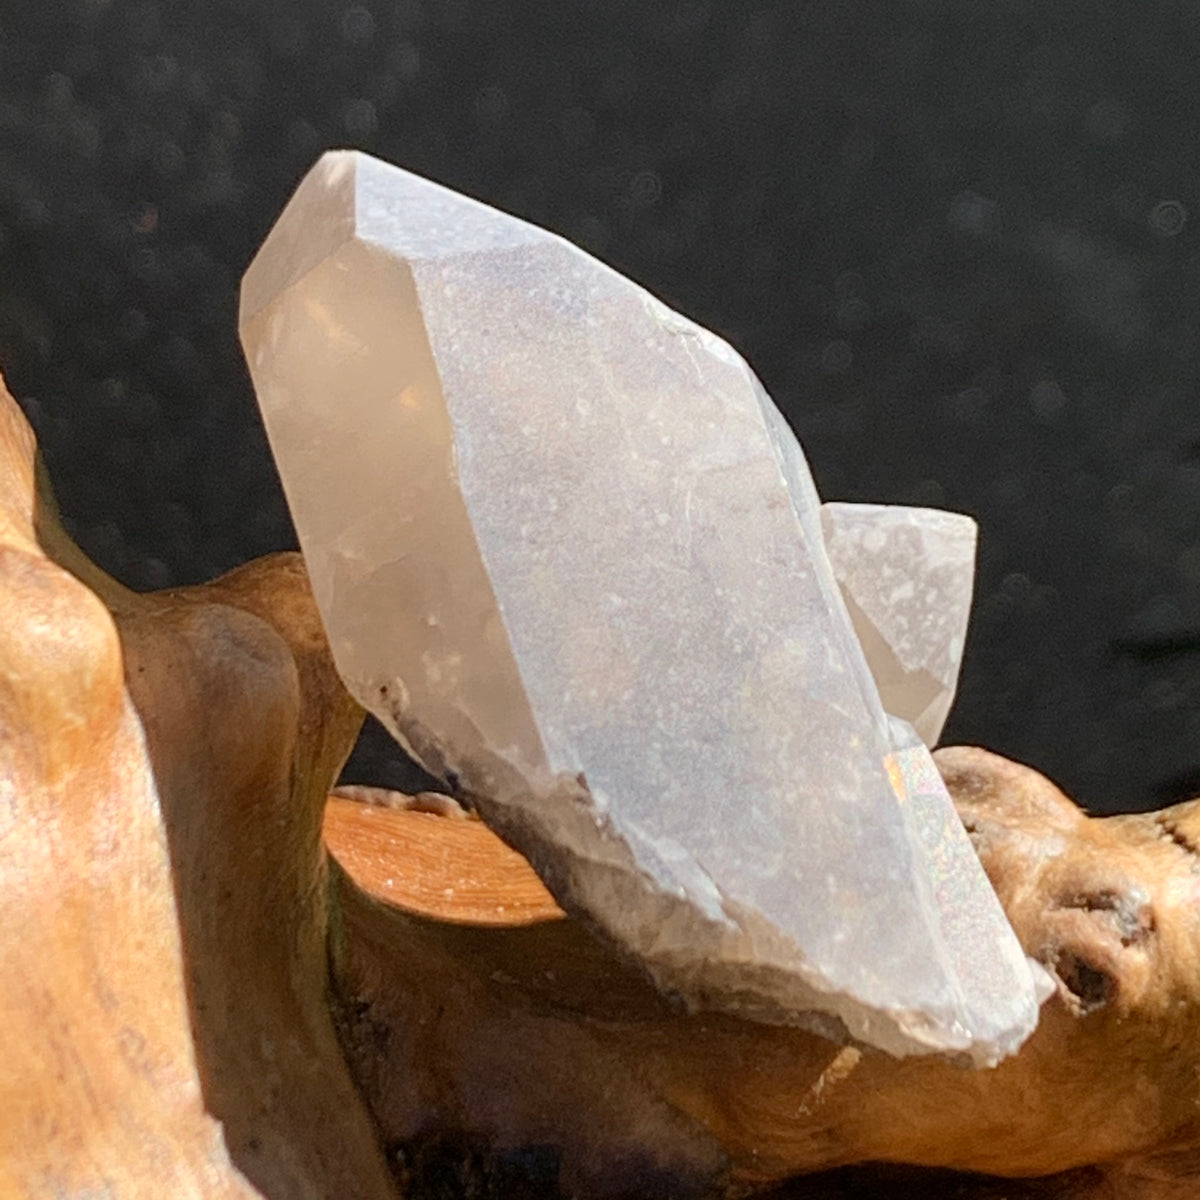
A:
x: 906, y: 575
x: 566, y: 548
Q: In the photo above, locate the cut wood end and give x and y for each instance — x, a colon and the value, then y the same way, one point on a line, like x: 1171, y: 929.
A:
x: 427, y: 863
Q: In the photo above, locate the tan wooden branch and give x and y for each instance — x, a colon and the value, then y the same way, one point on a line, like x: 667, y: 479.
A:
x: 164, y: 903
x: 197, y: 1000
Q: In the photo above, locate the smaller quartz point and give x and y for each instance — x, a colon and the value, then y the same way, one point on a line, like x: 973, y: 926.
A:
x: 570, y: 553
x: 906, y: 575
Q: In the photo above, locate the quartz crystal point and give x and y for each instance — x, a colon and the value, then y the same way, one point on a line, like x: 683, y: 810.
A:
x: 906, y: 575
x: 569, y: 552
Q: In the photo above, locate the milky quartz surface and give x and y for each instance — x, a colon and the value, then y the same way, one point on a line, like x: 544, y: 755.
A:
x: 907, y: 576
x: 569, y: 552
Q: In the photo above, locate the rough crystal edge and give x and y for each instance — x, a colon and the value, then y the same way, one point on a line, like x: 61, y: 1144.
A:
x: 713, y: 977
x: 943, y: 848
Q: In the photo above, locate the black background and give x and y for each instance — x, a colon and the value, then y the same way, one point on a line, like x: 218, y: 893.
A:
x: 958, y: 241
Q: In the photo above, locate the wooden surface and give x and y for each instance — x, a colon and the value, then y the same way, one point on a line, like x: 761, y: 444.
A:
x: 452, y: 869
x: 164, y: 761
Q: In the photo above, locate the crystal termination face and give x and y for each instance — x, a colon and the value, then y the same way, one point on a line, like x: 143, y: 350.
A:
x: 569, y: 552
x: 906, y: 575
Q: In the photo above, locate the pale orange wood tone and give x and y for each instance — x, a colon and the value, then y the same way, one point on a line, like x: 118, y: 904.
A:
x: 100, y: 1090
x: 455, y: 870
x: 164, y: 761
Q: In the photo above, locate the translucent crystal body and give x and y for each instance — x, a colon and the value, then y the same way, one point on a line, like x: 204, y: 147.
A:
x: 906, y: 575
x: 569, y: 552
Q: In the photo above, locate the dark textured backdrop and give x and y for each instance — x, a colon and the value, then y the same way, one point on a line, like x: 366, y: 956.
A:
x: 957, y: 239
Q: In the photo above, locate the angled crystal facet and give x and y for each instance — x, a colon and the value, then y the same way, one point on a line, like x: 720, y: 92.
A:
x: 906, y: 575
x: 569, y: 552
